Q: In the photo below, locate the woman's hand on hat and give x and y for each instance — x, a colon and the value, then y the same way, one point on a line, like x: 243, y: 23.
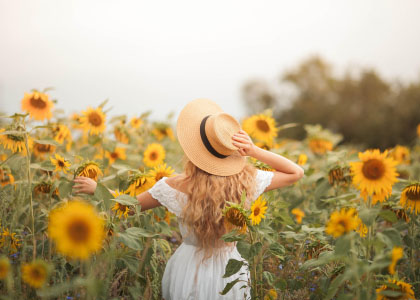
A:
x: 242, y: 140
x: 84, y: 185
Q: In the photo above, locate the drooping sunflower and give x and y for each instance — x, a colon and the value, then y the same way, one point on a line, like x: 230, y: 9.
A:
x: 121, y: 134
x: 154, y: 155
x: 320, y: 146
x: 9, y: 239
x: 139, y: 183
x: 118, y: 153
x: 396, y: 254
x: 302, y: 159
x: 35, y: 273
x: 45, y: 187
x: 93, y: 120
x: 235, y: 217
x: 342, y: 222
x: 120, y: 209
x: 4, y: 267
x: 299, y: 214
x: 60, y: 163
x: 37, y: 105
x: 136, y: 122
x: 375, y: 173
x: 405, y: 290
x: 163, y: 130
x: 261, y: 127
x: 40, y: 150
x: 258, y: 209
x: 339, y: 176
x: 161, y: 171
x: 410, y: 197
x: 14, y: 142
x: 6, y: 177
x: 77, y: 229
x: 89, y: 169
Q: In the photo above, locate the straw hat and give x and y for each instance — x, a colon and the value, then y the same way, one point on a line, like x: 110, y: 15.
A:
x: 205, y: 134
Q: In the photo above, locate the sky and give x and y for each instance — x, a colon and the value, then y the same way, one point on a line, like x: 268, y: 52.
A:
x: 159, y: 55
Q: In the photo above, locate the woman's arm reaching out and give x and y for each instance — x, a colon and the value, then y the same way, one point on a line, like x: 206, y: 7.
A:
x: 147, y: 201
x: 287, y: 172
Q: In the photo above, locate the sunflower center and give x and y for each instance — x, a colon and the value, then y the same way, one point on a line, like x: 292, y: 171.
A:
x: 37, y: 273
x: 114, y: 155
x: 235, y: 217
x: 256, y: 211
x: 122, y: 207
x: 413, y: 193
x: 61, y: 163
x: 43, y: 148
x: 153, y: 155
x: 16, y: 138
x: 38, y: 103
x: 263, y: 126
x: 343, y: 224
x: 79, y: 231
x: 373, y: 169
x: 95, y: 119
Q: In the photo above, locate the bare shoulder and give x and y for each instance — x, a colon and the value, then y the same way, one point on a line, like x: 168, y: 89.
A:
x: 176, y: 182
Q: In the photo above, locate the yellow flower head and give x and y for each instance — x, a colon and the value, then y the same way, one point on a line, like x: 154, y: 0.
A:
x: 77, y: 229
x: 302, y: 159
x: 121, y: 134
x: 40, y: 150
x: 342, y: 222
x: 401, y: 154
x: 405, y: 289
x: 9, y: 239
x: 136, y: 122
x: 139, y: 183
x: 93, y: 120
x: 261, y: 127
x: 35, y: 273
x: 4, y: 267
x: 361, y: 228
x: 154, y: 155
x: 60, y: 163
x: 410, y: 197
x: 320, y: 146
x: 163, y: 130
x: 37, y: 105
x: 89, y: 169
x: 61, y: 133
x: 119, y: 208
x: 299, y: 214
x: 271, y: 295
x: 13, y: 142
x: 375, y: 173
x: 161, y: 171
x: 235, y: 217
x: 396, y: 254
x: 6, y: 177
x: 118, y: 153
x: 258, y: 209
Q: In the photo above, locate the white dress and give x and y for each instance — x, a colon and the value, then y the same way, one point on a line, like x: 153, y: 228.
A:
x: 185, y: 276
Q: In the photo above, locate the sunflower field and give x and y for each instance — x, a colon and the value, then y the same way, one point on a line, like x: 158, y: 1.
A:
x: 349, y: 229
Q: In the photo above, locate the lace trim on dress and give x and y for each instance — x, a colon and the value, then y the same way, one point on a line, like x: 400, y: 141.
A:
x: 263, y: 180
x: 167, y: 196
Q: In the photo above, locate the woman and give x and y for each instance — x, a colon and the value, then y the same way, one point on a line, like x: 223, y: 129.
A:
x: 216, y: 171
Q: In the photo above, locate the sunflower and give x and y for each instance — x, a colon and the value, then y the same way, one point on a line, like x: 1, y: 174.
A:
x: 299, y: 214
x: 139, y: 183
x: 93, y: 120
x: 10, y: 239
x: 154, y: 155
x: 118, y: 153
x: 40, y: 150
x: 376, y: 197
x: 45, y: 188
x: 342, y: 222
x: 121, y: 134
x: 258, y: 209
x: 302, y: 159
x: 136, y: 122
x: 119, y: 208
x: 361, y: 229
x: 14, y: 142
x: 76, y: 121
x: 320, y: 146
x: 163, y: 130
x: 235, y: 217
x: 401, y: 154
x: 6, y: 177
x: 405, y: 290
x: 4, y: 267
x: 161, y: 171
x: 410, y: 197
x: 261, y: 127
x: 35, y: 273
x: 89, y: 169
x: 339, y: 175
x: 166, y: 218
x: 396, y: 254
x: 77, y: 229
x: 60, y: 163
x: 263, y: 145
x: 375, y: 173
x: 61, y: 132
x: 271, y: 295
x: 37, y: 105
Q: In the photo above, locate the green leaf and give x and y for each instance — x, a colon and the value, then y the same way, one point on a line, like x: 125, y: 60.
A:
x: 243, y: 248
x: 368, y: 216
x: 269, y: 277
x: 229, y: 286
x: 130, y: 241
x: 64, y: 189
x: 233, y: 266
x: 342, y: 245
x: 255, y: 249
x: 394, y: 236
x: 102, y: 193
x: 126, y: 200
x: 281, y: 284
x: 277, y: 250
x: 137, y: 231
x: 388, y: 215
x: 233, y: 236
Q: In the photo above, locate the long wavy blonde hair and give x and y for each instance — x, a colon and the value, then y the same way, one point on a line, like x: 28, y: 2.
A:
x: 207, y: 196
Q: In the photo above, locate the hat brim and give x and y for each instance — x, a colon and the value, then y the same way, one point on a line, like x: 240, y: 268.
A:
x: 188, y: 133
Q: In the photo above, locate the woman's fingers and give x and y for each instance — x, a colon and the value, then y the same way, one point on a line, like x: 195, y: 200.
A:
x: 241, y: 139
